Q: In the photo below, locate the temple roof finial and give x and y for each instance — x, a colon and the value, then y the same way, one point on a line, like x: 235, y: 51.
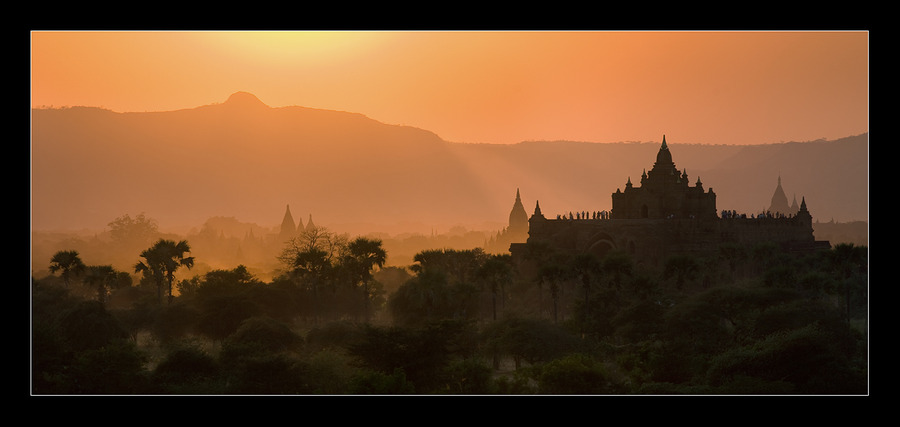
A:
x: 664, y: 157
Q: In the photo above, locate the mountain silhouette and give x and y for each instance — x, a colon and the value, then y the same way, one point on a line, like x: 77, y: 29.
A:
x: 244, y: 100
x: 245, y: 159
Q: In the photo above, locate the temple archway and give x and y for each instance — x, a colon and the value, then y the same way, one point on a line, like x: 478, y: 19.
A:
x: 600, y: 244
x: 601, y: 247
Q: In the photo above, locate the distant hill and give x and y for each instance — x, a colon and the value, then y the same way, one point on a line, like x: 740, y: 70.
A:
x: 244, y: 159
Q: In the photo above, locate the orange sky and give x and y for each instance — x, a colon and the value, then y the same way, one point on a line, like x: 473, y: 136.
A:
x: 493, y: 87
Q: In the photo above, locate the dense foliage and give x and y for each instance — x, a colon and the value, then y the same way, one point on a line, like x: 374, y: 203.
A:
x: 751, y: 321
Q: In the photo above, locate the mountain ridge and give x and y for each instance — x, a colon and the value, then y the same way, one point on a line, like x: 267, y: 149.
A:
x: 184, y: 166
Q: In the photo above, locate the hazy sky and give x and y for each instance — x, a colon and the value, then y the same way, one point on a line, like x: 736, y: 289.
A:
x: 492, y: 87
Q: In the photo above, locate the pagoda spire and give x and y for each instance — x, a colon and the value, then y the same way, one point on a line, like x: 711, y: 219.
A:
x: 779, y: 203
x: 664, y: 160
x: 288, y: 229
x: 537, y: 209
x: 518, y: 218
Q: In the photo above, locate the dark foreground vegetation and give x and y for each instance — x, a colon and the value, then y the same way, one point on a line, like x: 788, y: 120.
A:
x: 751, y: 321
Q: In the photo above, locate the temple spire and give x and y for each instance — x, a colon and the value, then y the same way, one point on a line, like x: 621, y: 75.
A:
x: 664, y: 160
x: 537, y: 209
x: 288, y: 228
x: 779, y: 203
x: 518, y: 218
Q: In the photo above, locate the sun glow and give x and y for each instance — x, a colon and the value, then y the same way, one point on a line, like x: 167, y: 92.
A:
x: 485, y: 86
x: 294, y: 48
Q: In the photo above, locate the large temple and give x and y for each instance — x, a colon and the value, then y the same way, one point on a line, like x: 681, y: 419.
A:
x: 667, y: 216
x: 664, y: 193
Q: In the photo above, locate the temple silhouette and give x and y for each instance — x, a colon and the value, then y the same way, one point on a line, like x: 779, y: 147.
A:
x: 779, y: 204
x: 289, y: 229
x: 667, y: 216
x: 664, y: 193
x: 515, y: 232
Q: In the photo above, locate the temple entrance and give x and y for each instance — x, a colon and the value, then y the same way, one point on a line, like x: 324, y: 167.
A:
x: 601, y: 248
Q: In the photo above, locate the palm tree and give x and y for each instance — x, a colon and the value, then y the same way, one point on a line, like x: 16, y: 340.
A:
x: 587, y: 266
x: 734, y: 255
x: 553, y: 274
x: 105, y: 278
x: 363, y: 255
x: 496, y: 271
x: 847, y: 260
x: 618, y: 265
x: 682, y: 267
x: 460, y: 265
x: 312, y: 265
x: 161, y: 261
x: 69, y: 263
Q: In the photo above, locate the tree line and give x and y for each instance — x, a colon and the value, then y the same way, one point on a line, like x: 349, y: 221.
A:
x: 752, y: 320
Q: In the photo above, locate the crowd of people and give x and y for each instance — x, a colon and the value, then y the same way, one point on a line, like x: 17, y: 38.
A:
x: 584, y: 215
x: 731, y: 214
x: 726, y: 214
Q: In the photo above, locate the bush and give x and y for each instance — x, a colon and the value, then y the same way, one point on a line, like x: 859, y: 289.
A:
x: 573, y: 374
x: 268, y: 374
x: 260, y: 335
x: 468, y: 376
x: 374, y: 382
x: 333, y: 334
x: 328, y: 372
x: 806, y: 358
x: 187, y: 370
x: 530, y: 340
x: 113, y: 369
x: 88, y: 326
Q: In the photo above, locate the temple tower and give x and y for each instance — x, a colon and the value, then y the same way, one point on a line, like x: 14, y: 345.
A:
x: 779, y: 203
x: 518, y: 218
x: 288, y: 228
x: 664, y: 193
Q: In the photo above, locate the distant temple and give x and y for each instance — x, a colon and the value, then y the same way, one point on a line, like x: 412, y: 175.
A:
x: 518, y: 218
x: 289, y: 230
x: 779, y: 204
x: 666, y: 216
x: 515, y: 232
